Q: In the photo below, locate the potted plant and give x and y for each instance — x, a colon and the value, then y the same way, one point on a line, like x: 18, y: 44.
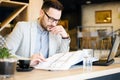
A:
x: 7, y: 62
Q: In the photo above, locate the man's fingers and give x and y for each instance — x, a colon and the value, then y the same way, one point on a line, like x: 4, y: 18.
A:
x: 42, y: 57
x: 35, y: 62
x: 36, y: 59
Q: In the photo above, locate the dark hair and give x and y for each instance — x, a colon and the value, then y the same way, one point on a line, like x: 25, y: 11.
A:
x: 52, y: 4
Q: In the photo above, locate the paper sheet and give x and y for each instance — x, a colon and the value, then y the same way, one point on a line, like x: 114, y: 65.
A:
x: 61, y: 61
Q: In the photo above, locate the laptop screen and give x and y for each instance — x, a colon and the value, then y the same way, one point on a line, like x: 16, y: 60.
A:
x: 114, y: 48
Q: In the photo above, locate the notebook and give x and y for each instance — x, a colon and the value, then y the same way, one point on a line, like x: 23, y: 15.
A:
x: 110, y: 58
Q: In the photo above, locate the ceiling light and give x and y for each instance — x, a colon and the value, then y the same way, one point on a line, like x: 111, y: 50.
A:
x: 88, y: 2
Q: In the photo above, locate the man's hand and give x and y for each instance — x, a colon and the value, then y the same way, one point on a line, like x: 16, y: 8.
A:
x: 36, y: 59
x: 59, y: 30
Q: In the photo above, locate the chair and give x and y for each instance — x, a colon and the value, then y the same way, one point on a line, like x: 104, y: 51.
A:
x: 94, y: 39
x: 105, y: 41
x: 86, y: 40
x: 79, y: 36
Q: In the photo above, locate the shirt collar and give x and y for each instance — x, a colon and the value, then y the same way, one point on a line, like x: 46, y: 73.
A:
x: 40, y: 27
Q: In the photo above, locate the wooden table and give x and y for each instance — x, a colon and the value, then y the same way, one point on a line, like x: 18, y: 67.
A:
x: 72, y: 74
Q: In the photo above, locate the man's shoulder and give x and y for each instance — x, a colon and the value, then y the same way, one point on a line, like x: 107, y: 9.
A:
x: 26, y: 22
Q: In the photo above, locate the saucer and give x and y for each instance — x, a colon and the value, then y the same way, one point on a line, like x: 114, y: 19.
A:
x: 24, y: 70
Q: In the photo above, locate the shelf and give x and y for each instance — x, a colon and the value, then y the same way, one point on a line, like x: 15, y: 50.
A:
x: 18, y: 8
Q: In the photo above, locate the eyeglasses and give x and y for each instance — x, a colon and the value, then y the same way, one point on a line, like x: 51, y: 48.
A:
x: 51, y: 19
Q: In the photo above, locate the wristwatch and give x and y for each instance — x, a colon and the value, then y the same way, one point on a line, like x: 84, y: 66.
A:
x: 66, y: 37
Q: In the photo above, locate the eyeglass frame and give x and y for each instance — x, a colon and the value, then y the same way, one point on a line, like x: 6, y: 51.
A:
x: 51, y: 19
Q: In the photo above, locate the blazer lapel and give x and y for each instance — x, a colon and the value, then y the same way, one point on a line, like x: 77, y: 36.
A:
x: 52, y: 44
x: 33, y: 38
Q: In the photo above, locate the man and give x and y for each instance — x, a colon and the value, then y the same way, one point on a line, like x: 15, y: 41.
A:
x: 42, y: 38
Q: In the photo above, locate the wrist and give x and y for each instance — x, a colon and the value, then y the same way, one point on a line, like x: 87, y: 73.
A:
x: 66, y: 37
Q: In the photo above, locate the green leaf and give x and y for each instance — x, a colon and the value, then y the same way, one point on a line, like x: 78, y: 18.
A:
x: 5, y: 53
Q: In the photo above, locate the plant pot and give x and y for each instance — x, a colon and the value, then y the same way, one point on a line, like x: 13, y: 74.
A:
x: 7, y: 68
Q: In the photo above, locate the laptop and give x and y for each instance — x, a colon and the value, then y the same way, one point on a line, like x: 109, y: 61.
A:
x: 110, y: 58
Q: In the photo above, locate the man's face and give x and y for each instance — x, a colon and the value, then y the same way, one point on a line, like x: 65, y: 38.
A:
x: 50, y: 18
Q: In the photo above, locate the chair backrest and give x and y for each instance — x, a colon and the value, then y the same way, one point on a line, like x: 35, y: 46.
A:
x: 94, y: 34
x: 102, y: 33
x: 86, y: 34
x: 79, y: 35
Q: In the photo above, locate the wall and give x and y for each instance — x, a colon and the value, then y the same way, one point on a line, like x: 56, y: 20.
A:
x: 34, y: 9
x: 88, y: 14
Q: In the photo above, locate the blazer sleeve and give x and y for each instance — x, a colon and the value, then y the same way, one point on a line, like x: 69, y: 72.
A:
x: 13, y: 40
x: 57, y: 44
x: 65, y: 45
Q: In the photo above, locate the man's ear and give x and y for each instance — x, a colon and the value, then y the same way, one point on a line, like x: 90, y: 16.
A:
x: 41, y: 12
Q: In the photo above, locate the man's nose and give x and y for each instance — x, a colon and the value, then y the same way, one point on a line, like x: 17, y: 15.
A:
x: 53, y: 23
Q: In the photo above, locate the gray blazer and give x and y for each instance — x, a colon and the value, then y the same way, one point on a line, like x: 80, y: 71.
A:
x: 21, y: 41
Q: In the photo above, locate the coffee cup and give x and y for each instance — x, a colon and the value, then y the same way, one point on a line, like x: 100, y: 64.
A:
x: 24, y: 64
